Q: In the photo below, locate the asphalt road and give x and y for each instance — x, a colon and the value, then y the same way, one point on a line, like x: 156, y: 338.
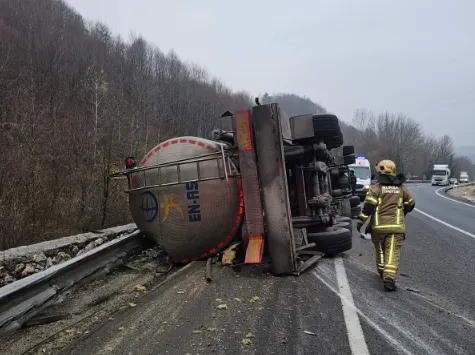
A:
x: 339, y: 307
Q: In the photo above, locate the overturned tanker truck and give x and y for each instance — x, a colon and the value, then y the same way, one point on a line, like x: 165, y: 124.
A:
x: 271, y: 183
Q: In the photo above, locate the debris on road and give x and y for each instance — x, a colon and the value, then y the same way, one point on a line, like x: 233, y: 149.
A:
x: 222, y: 306
x: 246, y: 341
x: 229, y: 254
x: 309, y: 333
x: 140, y: 288
x: 255, y: 299
x: 208, y: 270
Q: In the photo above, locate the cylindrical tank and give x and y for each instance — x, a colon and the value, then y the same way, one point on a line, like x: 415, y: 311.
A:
x: 199, y: 212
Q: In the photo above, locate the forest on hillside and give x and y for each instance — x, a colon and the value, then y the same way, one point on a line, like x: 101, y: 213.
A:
x: 387, y: 136
x: 75, y: 100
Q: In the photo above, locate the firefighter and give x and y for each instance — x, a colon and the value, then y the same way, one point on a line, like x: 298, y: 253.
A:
x: 386, y: 205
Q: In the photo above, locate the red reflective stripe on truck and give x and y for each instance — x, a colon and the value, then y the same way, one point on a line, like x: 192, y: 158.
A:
x: 243, y: 130
x: 254, y: 249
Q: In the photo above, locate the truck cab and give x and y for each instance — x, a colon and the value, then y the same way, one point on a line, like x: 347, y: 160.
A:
x: 440, y: 175
x: 463, y: 177
x: 362, y: 170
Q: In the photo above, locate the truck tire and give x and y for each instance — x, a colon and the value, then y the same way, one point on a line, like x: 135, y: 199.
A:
x: 343, y: 219
x: 355, y: 211
x: 355, y: 201
x: 325, y: 122
x: 327, y: 128
x: 349, y: 159
x: 344, y: 224
x: 337, y: 193
x: 304, y: 222
x: 331, y: 241
x: 335, y: 172
x: 348, y: 150
x: 343, y: 182
x: 334, y: 141
x: 345, y: 208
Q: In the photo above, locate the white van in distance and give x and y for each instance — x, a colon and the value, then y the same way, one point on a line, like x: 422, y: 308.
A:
x: 362, y: 170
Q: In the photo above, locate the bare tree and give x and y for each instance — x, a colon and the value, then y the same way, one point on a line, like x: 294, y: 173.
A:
x: 74, y: 101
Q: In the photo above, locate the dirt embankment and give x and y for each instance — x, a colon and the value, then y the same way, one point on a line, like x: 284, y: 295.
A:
x: 466, y: 193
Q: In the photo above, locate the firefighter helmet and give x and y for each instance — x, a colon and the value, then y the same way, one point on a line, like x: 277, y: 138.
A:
x: 386, y: 167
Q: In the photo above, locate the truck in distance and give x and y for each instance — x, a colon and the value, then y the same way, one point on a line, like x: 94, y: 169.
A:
x: 440, y: 175
x: 463, y: 177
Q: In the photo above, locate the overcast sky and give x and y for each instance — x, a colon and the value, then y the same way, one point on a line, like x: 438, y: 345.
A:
x: 411, y: 56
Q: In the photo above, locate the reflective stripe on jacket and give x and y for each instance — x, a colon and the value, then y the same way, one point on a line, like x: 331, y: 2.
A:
x: 387, y: 206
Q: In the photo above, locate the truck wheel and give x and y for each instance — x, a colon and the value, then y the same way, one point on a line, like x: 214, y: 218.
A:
x: 346, y: 208
x: 348, y: 149
x: 343, y: 182
x: 355, y: 211
x: 325, y: 122
x: 344, y: 224
x: 335, y: 172
x: 349, y: 159
x: 337, y: 193
x: 343, y: 219
x: 355, y: 201
x: 327, y: 128
x: 304, y: 222
x: 331, y: 241
x: 334, y: 141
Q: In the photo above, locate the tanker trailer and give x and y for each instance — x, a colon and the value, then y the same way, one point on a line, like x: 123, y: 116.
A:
x: 263, y: 182
x: 186, y: 195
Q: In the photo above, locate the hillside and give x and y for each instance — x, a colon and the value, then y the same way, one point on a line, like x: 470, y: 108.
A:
x: 74, y: 102
x: 292, y: 104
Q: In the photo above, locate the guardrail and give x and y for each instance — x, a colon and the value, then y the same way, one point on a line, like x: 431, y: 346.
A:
x: 418, y: 181
x: 23, y: 299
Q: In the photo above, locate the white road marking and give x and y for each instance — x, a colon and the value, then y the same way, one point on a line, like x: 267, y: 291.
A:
x: 353, y: 327
x: 349, y: 302
x: 445, y: 223
x: 451, y: 199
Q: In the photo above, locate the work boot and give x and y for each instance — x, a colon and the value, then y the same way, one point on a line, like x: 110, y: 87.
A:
x: 389, y: 285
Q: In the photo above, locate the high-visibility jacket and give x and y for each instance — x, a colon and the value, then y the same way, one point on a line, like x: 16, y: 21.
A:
x: 387, y: 205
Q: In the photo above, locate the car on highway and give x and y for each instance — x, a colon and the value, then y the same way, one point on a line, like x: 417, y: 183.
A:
x: 453, y: 181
